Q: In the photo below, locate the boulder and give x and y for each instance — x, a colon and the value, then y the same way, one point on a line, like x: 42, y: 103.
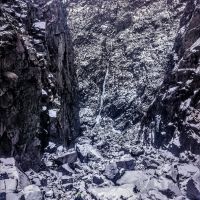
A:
x: 67, y: 179
x: 49, y: 193
x: 68, y: 186
x: 68, y: 157
x: 32, y: 192
x: 135, y: 178
x: 173, y: 173
x: 171, y: 191
x: 137, y: 151
x: 14, y: 196
x: 112, y: 172
x: 126, y: 162
x: 186, y: 171
x: 66, y: 170
x: 150, y: 163
x: 87, y: 152
x: 98, y: 180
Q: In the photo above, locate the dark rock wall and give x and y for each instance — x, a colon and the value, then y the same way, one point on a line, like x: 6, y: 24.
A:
x: 38, y: 99
x: 174, y: 115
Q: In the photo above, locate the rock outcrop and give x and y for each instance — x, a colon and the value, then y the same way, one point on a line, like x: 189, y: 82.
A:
x: 122, y: 52
x: 174, y: 116
x: 38, y: 87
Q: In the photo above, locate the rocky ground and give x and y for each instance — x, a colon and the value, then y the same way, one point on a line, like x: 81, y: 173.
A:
x: 84, y: 172
x: 137, y: 71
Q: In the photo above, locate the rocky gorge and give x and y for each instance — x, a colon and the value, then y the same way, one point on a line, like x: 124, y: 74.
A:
x: 99, y: 99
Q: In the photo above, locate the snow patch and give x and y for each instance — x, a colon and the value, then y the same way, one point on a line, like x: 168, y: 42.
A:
x: 53, y: 113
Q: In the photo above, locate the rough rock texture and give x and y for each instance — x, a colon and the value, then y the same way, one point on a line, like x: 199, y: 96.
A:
x: 122, y: 51
x: 174, y: 115
x: 12, y: 180
x: 38, y: 97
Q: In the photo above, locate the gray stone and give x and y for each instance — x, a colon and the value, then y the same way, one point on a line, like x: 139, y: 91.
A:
x: 32, y: 192
x: 126, y: 162
x: 36, y: 181
x: 68, y: 186
x: 67, y: 179
x: 171, y: 191
x: 137, y: 151
x: 87, y: 152
x: 11, y: 185
x: 14, y: 196
x: 186, y: 171
x: 68, y: 157
x: 97, y: 179
x: 150, y: 163
x: 65, y: 169
x: 112, y: 172
x: 49, y: 193
x: 173, y: 173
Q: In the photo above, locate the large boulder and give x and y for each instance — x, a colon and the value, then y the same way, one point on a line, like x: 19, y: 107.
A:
x: 67, y: 157
x: 87, y: 152
x: 32, y: 192
x: 126, y: 162
x: 112, y: 172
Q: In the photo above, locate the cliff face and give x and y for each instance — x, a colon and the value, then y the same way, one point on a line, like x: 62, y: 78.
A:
x: 37, y: 79
x: 122, y: 52
x: 137, y: 66
x: 176, y: 107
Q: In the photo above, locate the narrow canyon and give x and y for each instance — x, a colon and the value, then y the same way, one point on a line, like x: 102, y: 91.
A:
x: 99, y: 99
